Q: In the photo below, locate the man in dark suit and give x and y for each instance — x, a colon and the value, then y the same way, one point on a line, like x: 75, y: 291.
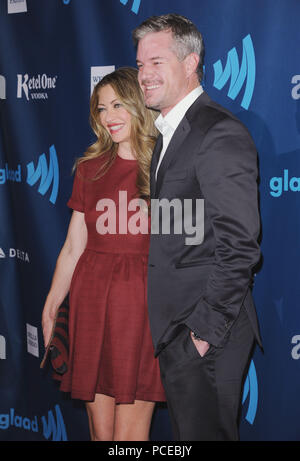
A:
x: 202, y: 315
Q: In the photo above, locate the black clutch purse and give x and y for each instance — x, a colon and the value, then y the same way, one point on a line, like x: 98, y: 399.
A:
x: 57, y: 350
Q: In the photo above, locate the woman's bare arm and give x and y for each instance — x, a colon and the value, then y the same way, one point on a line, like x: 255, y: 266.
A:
x: 72, y: 249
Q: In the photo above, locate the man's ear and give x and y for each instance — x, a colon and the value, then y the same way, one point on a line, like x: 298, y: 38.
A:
x: 191, y: 64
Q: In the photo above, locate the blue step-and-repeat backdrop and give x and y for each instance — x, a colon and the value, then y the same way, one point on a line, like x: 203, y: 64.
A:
x: 52, y: 53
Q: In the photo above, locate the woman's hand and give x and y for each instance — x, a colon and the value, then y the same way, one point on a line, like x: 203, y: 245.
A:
x: 48, y: 318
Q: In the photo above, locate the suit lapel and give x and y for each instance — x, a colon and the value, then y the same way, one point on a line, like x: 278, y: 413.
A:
x: 154, y: 162
x: 175, y: 147
x: 172, y: 151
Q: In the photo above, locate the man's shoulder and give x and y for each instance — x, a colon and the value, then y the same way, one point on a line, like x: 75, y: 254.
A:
x: 205, y: 105
x: 206, y: 113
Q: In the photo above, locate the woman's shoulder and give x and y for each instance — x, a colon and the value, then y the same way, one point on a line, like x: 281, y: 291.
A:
x: 88, y: 167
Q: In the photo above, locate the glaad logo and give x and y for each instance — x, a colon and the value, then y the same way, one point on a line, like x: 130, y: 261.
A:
x: 30, y: 86
x: 238, y: 75
x: 46, y: 175
x: 284, y: 184
x: 55, y: 428
x: 52, y: 427
x: 296, y: 88
x: 7, y: 174
x: 251, y: 389
x: 2, y: 87
x: 2, y: 348
x: 135, y: 5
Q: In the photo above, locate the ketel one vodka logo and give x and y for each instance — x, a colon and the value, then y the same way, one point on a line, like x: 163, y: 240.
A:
x: 237, y: 74
x: 36, y: 87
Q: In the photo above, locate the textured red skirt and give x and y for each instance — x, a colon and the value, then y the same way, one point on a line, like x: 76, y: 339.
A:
x: 111, y: 350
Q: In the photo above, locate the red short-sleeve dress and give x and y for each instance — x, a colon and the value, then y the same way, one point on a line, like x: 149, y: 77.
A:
x: 111, y: 350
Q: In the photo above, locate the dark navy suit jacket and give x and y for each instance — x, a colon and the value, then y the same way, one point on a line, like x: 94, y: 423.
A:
x: 211, y: 156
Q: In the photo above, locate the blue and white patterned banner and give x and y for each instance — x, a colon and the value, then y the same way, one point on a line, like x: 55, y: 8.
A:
x: 52, y: 53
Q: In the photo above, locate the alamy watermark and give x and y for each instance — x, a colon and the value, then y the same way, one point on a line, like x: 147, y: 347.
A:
x: 174, y: 216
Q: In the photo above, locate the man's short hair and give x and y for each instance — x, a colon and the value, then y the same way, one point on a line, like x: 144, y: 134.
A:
x: 187, y: 37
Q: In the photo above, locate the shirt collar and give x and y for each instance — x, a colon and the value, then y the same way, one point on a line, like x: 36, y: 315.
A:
x: 170, y: 122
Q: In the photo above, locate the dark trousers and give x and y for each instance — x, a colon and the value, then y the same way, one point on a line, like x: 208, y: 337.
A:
x: 204, y: 393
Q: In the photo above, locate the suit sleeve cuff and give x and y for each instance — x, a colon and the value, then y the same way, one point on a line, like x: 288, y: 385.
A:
x: 209, y: 324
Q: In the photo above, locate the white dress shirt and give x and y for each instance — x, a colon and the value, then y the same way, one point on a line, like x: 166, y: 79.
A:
x: 168, y: 124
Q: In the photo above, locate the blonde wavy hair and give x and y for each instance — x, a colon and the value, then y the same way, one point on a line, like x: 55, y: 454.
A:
x: 143, y: 131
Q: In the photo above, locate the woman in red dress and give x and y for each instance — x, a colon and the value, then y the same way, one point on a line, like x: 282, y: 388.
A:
x: 103, y: 266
